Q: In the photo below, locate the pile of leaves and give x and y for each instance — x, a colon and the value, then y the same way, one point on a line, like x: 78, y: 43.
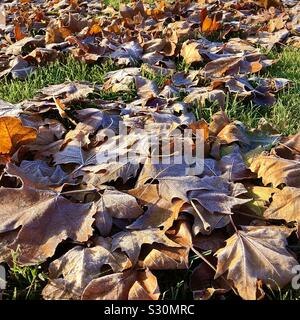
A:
x: 103, y: 227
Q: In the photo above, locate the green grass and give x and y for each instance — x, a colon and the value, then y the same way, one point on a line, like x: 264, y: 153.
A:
x: 284, y: 115
x: 116, y: 3
x: 24, y: 283
x: 67, y: 69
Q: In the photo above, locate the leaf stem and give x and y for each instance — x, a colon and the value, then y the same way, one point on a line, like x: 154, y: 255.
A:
x: 213, y: 267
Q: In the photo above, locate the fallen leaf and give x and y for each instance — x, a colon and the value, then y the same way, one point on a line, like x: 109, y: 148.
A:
x: 13, y: 134
x: 276, y: 170
x: 80, y: 266
x: 252, y: 247
x: 129, y: 285
x: 190, y: 53
x: 131, y: 241
x: 48, y: 215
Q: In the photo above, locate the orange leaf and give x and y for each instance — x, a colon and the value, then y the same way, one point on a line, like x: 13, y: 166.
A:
x: 207, y: 23
x: 162, y: 5
x: 65, y: 32
x: 95, y: 29
x: 13, y: 134
x: 19, y: 35
x: 61, y: 107
x: 39, y: 16
x: 203, y: 15
x: 256, y: 66
x: 215, y: 24
x: 114, y: 28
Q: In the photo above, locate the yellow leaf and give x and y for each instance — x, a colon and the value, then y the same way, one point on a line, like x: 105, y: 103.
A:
x: 261, y: 197
x: 190, y: 52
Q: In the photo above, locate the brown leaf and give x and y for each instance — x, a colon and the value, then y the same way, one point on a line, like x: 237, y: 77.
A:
x: 41, y: 174
x: 190, y: 52
x: 68, y: 91
x: 231, y: 133
x: 256, y: 253
x: 81, y: 265
x: 47, y: 215
x: 276, y: 170
x: 132, y: 241
x: 212, y: 242
x: 219, y: 121
x: 6, y: 239
x: 285, y: 205
x: 146, y: 89
x: 205, y: 222
x: 261, y: 198
x: 115, y: 204
x: 19, y: 35
x: 129, y: 285
x: 160, y: 214
x: 203, y: 284
x: 162, y: 257
x: 289, y: 148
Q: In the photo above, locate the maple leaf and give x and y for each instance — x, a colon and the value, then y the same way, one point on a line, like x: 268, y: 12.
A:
x: 162, y: 257
x: 131, y: 241
x: 47, y: 215
x: 128, y: 285
x: 9, y: 109
x: 111, y: 171
x: 67, y: 91
x: 41, y: 174
x: 289, y: 148
x: 285, y: 205
x: 13, y: 134
x: 19, y: 35
x: 261, y: 198
x: 74, y: 153
x: 205, y: 222
x: 146, y: 89
x: 6, y: 239
x: 203, y: 284
x: 161, y: 212
x: 65, y: 179
x: 276, y: 170
x: 190, y: 52
x: 214, y: 193
x: 256, y: 253
x: 18, y: 46
x: 210, y: 24
x: 81, y: 265
x: 115, y: 204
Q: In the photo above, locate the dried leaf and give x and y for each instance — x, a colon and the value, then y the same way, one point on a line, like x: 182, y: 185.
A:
x: 129, y: 285
x: 132, y: 241
x: 252, y: 247
x: 276, y: 170
x: 13, y: 134
x: 81, y: 265
x: 48, y: 215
